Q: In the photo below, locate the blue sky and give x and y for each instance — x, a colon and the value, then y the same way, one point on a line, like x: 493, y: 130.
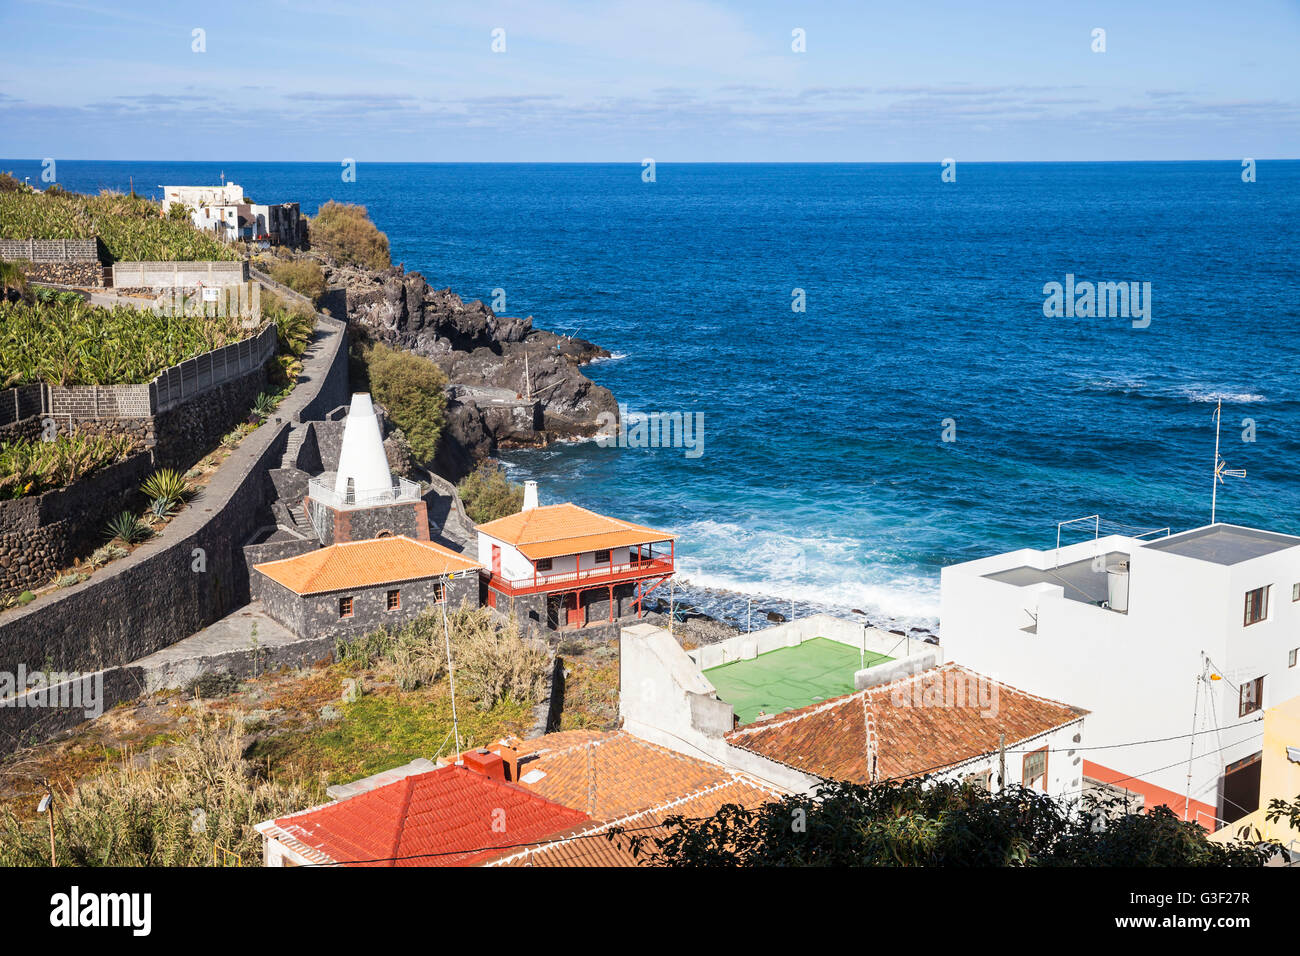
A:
x: 676, y: 80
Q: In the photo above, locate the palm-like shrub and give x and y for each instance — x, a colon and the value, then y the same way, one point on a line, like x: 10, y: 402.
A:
x: 166, y: 485
x: 126, y: 528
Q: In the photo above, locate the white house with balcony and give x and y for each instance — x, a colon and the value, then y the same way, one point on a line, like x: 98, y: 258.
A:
x: 562, y: 566
x: 1177, y: 642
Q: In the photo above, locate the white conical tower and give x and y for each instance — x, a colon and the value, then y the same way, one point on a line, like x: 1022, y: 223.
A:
x: 362, y: 459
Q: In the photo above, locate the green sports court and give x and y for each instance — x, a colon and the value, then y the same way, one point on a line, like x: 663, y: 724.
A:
x: 790, y: 677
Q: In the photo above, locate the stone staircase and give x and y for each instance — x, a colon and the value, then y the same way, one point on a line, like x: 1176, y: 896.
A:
x: 297, y: 435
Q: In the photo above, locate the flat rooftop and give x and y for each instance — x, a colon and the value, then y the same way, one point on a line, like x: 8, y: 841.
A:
x: 790, y: 677
x: 1082, y: 581
x: 1225, y: 544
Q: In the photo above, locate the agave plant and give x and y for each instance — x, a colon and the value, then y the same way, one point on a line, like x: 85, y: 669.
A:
x: 126, y: 528
x: 168, y: 486
x: 160, y: 509
x: 106, y: 553
x: 265, y: 404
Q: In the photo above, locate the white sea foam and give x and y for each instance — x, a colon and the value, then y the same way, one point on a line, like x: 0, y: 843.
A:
x: 612, y: 357
x: 1202, y: 393
x: 818, y: 571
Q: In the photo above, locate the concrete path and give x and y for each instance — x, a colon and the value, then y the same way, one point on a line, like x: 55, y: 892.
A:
x: 245, y: 643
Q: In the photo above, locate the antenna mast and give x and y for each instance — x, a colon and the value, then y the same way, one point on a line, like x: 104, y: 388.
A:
x: 1220, y: 466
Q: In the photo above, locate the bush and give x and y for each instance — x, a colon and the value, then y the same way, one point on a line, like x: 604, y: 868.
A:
x: 492, y: 661
x: 301, y: 275
x: 166, y: 484
x: 488, y: 494
x: 345, y: 233
x: 31, y: 467
x: 127, y: 528
x: 411, y: 389
x: 170, y: 813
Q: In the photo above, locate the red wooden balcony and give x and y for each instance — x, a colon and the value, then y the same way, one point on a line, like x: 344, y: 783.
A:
x: 658, y: 566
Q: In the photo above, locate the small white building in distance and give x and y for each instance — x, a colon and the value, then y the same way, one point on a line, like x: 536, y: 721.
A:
x: 226, y: 211
x: 1153, y: 636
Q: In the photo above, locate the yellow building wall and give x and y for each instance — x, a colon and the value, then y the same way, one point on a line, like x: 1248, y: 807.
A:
x: 1279, y: 778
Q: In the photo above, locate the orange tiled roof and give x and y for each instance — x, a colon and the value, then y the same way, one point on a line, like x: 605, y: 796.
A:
x: 627, y: 782
x: 452, y: 816
x: 361, y: 564
x: 555, y: 530
x: 831, y: 739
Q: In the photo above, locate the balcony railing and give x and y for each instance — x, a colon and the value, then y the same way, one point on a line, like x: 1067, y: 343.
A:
x: 585, y: 577
x: 322, y: 489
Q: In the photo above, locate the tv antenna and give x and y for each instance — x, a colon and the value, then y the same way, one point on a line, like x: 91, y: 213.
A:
x: 1221, y: 469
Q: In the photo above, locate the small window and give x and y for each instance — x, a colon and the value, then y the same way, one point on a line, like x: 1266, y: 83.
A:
x: 1295, y: 592
x: 440, y: 592
x: 1252, y: 697
x: 1291, y: 656
x: 980, y: 781
x: 394, y: 600
x: 1034, y: 773
x: 345, y: 607
x: 545, y: 564
x: 602, y: 557
x: 1256, y: 605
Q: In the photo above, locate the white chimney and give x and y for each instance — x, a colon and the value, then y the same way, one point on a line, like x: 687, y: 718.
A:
x: 362, y: 460
x: 530, y: 496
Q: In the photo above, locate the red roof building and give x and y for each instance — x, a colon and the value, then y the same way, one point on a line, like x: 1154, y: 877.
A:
x: 460, y: 815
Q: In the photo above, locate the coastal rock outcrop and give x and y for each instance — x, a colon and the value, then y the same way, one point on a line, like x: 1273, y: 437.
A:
x: 511, y: 384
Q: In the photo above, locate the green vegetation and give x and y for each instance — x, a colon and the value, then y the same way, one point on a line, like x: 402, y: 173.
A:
x: 74, y: 343
x: 127, y: 528
x: 493, y: 663
x: 130, y: 227
x: 488, y: 494
x: 172, y: 812
x: 939, y: 823
x: 411, y: 389
x: 345, y: 233
x: 301, y: 275
x: 12, y: 278
x: 31, y: 467
x: 167, y: 485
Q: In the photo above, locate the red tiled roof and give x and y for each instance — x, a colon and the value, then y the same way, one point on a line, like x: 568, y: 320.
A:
x: 832, y: 739
x: 1196, y: 811
x: 555, y: 530
x: 362, y: 564
x: 626, y: 782
x: 451, y: 816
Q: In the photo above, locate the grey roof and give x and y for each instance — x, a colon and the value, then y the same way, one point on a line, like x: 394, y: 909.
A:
x: 1225, y: 544
x: 1083, y: 581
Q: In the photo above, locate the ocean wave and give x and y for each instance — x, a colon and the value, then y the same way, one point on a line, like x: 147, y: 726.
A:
x: 1140, y: 388
x: 611, y: 357
x: 818, y: 571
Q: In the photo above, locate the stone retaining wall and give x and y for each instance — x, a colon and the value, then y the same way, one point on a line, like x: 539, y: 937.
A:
x: 195, y: 572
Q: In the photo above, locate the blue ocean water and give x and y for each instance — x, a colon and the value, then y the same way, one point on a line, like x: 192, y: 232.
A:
x: 824, y: 477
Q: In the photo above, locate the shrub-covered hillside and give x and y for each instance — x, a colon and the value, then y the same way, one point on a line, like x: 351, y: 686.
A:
x: 131, y: 228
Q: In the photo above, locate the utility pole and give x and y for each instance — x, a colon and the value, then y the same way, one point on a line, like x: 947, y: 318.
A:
x: 451, y: 673
x: 1191, y: 753
x: 47, y: 806
x: 1002, y: 761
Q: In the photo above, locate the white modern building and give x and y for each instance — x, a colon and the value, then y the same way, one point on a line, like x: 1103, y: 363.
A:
x: 1154, y: 637
x: 226, y: 211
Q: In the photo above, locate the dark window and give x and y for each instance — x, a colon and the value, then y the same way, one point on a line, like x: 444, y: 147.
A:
x: 1291, y: 656
x: 345, y: 607
x: 602, y: 557
x: 544, y: 564
x: 980, y: 781
x: 1295, y: 592
x: 394, y: 600
x: 1256, y: 605
x: 440, y: 592
x: 1034, y: 773
x: 1252, y: 697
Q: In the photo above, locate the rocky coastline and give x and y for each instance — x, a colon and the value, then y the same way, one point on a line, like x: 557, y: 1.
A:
x: 510, y: 385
